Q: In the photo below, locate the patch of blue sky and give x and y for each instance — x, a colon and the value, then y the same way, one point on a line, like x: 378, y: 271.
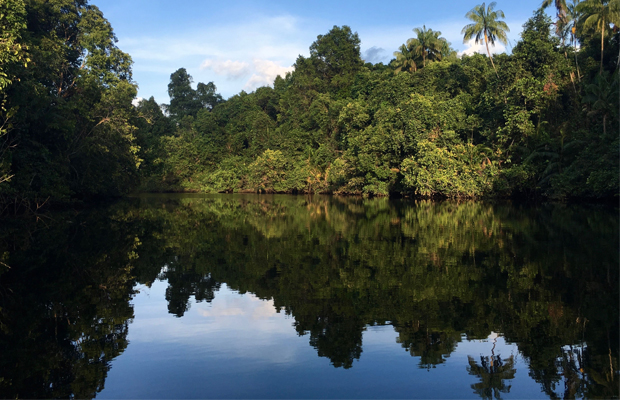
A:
x: 245, y: 44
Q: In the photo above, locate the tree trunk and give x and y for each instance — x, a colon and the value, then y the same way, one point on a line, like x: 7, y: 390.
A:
x: 602, y: 44
x: 572, y: 74
x: 576, y: 62
x: 486, y: 42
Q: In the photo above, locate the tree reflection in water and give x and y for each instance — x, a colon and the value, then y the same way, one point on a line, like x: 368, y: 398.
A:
x: 436, y: 272
x: 432, y: 347
x: 64, y: 304
x: 493, y: 371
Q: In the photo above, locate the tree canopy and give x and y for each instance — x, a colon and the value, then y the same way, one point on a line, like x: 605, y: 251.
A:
x: 486, y: 26
x: 428, y: 124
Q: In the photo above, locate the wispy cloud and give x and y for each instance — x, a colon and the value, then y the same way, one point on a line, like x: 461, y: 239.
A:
x: 229, y: 68
x: 235, y: 55
x: 248, y: 306
x: 265, y: 72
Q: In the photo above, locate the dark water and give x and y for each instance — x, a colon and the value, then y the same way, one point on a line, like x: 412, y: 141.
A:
x: 310, y: 297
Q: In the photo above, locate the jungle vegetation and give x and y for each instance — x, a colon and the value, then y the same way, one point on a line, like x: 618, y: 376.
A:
x: 541, y: 121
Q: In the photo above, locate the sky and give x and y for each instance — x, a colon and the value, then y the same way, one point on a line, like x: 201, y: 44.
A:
x: 244, y: 44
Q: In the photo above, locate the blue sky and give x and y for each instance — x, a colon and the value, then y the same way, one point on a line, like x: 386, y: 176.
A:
x: 241, y: 45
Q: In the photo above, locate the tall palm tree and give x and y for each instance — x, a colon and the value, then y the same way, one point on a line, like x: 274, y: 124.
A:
x: 599, y: 14
x: 565, y: 27
x: 573, y: 16
x: 560, y: 6
x: 563, y: 16
x: 601, y: 95
x: 486, y: 26
x: 406, y: 58
x: 562, y: 28
x: 427, y: 43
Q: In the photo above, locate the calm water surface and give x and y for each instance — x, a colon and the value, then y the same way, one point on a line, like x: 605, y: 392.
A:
x: 243, y: 296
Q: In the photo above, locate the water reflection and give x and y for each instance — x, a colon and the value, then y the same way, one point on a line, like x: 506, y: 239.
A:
x: 64, y: 305
x: 493, y: 372
x: 544, y: 276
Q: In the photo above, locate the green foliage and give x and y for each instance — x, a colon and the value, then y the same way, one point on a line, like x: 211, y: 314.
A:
x: 72, y: 132
x: 336, y: 58
x: 12, y: 52
x: 486, y: 26
x: 406, y: 59
x: 231, y: 175
x: 151, y: 125
x: 451, y: 127
x: 448, y: 128
x: 598, y: 14
x: 427, y: 44
x: 602, y: 96
x: 459, y: 170
x: 184, y: 100
x: 272, y: 172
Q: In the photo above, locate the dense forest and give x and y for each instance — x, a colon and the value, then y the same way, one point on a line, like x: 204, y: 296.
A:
x: 541, y: 121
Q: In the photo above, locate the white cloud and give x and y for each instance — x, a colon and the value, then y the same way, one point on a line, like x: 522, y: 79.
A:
x: 248, y: 306
x: 219, y: 312
x: 234, y: 54
x: 481, y: 48
x: 135, y: 102
x: 265, y: 72
x: 265, y: 36
x: 229, y: 68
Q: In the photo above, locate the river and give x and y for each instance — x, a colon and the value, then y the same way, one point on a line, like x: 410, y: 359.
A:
x: 277, y: 296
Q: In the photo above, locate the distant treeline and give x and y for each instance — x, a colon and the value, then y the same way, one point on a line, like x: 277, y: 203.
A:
x: 542, y: 121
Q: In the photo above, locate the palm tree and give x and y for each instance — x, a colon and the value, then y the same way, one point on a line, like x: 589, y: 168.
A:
x: 572, y: 16
x: 562, y: 28
x: 560, y: 6
x: 565, y: 26
x: 486, y: 26
x: 600, y: 13
x: 428, y: 44
x: 601, y: 95
x: 447, y: 52
x: 406, y: 58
